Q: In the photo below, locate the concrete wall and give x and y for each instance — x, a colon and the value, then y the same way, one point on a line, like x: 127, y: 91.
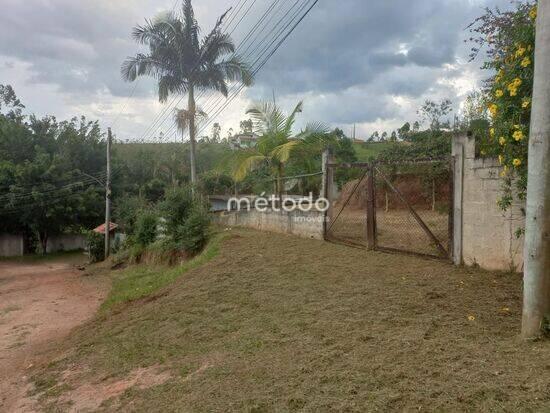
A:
x: 11, y: 245
x: 66, y: 242
x: 302, y: 224
x: 484, y: 234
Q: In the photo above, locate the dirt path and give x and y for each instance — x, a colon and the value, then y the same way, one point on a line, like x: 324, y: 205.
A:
x: 40, y: 303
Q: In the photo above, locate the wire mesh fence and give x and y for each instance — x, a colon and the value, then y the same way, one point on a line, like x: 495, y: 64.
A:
x: 412, y: 208
x: 347, y: 217
x: 410, y: 204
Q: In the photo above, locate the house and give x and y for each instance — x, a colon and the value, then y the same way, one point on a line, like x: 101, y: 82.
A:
x: 114, y: 234
x: 244, y: 140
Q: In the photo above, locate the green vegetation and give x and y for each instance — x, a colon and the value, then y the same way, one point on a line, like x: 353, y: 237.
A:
x: 182, y: 63
x: 141, y: 281
x: 369, y: 150
x: 510, y: 41
x: 44, y: 173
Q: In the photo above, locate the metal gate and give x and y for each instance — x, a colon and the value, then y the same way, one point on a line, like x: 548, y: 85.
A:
x: 403, y: 207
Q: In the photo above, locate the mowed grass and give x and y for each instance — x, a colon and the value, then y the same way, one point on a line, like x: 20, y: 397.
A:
x: 141, y: 281
x: 277, y: 323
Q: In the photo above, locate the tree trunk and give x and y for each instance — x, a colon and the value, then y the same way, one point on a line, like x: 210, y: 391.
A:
x: 191, y: 108
x: 536, y: 283
x: 280, y: 184
x: 43, y: 235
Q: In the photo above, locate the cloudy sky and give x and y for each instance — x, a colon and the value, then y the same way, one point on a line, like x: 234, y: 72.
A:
x: 366, y: 62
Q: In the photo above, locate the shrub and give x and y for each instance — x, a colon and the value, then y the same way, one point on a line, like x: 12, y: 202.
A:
x: 146, y: 228
x: 96, y: 246
x: 193, y: 234
x: 126, y: 210
x: 175, y: 208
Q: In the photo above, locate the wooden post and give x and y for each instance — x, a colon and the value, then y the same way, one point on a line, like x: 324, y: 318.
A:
x: 108, y: 197
x: 325, y: 186
x: 371, y: 210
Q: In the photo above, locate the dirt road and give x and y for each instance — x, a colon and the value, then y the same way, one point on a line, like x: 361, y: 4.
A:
x: 40, y: 303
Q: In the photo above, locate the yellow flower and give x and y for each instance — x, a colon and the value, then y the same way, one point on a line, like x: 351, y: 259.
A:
x: 517, y: 126
x: 493, y: 109
x: 518, y: 135
x: 525, y: 62
x: 499, y: 93
x: 520, y: 52
x: 471, y: 318
x: 492, y: 131
x: 502, y: 140
x: 504, y: 171
x: 500, y: 159
x: 517, y: 82
x: 525, y: 103
x: 533, y: 13
x: 516, y: 162
x: 513, y: 91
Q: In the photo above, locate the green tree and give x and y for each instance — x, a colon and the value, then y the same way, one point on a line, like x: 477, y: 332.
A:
x: 277, y: 141
x: 183, y: 63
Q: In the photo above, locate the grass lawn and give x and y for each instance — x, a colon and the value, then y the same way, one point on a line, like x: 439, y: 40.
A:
x: 367, y: 151
x: 277, y: 323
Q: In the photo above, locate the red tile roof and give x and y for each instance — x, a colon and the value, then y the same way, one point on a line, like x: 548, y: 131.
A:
x: 101, y: 228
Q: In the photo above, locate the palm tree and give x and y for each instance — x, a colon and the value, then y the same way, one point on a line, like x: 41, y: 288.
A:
x: 277, y: 141
x: 183, y: 63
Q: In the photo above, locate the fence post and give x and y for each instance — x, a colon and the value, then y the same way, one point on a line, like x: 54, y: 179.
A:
x: 371, y: 210
x: 326, y: 183
x: 458, y: 185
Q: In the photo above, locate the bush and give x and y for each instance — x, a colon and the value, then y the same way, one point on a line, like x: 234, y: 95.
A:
x: 96, y: 246
x: 146, y: 228
x: 176, y: 207
x: 193, y: 234
x: 126, y: 210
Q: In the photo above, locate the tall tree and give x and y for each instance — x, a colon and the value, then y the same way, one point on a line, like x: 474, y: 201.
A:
x: 183, y: 63
x: 536, y: 301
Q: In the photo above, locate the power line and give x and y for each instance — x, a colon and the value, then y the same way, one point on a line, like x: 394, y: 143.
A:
x: 247, y: 37
x: 162, y: 116
x: 266, y: 59
x: 250, y: 33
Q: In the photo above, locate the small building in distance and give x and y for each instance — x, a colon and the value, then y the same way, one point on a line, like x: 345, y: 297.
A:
x: 244, y: 141
x: 116, y: 236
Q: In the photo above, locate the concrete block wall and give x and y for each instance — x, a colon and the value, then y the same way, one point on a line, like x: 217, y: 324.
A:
x: 11, y: 245
x: 302, y: 224
x: 484, y: 234
x: 66, y: 242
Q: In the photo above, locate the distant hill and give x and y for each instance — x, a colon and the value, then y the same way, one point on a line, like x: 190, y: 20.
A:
x: 366, y: 151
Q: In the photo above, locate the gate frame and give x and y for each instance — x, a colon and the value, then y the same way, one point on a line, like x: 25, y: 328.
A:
x: 371, y: 227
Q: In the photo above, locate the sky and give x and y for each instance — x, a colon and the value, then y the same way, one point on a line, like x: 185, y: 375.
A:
x: 371, y: 63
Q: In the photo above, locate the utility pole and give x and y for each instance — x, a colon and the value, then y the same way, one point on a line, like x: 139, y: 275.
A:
x: 536, y: 254
x: 108, y: 197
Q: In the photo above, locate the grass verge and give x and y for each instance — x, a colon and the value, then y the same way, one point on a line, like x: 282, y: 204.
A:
x: 140, y: 281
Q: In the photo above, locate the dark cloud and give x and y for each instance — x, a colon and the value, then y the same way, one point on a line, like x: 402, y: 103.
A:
x: 349, y: 57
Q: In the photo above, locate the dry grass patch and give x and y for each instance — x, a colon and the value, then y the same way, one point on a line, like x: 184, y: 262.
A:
x: 277, y: 323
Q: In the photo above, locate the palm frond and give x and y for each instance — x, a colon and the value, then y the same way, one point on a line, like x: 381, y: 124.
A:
x: 292, y: 117
x: 282, y: 152
x: 267, y: 118
x: 248, y: 162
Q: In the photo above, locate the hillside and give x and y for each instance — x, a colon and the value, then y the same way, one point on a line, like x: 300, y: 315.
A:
x: 303, y: 325
x: 369, y: 151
